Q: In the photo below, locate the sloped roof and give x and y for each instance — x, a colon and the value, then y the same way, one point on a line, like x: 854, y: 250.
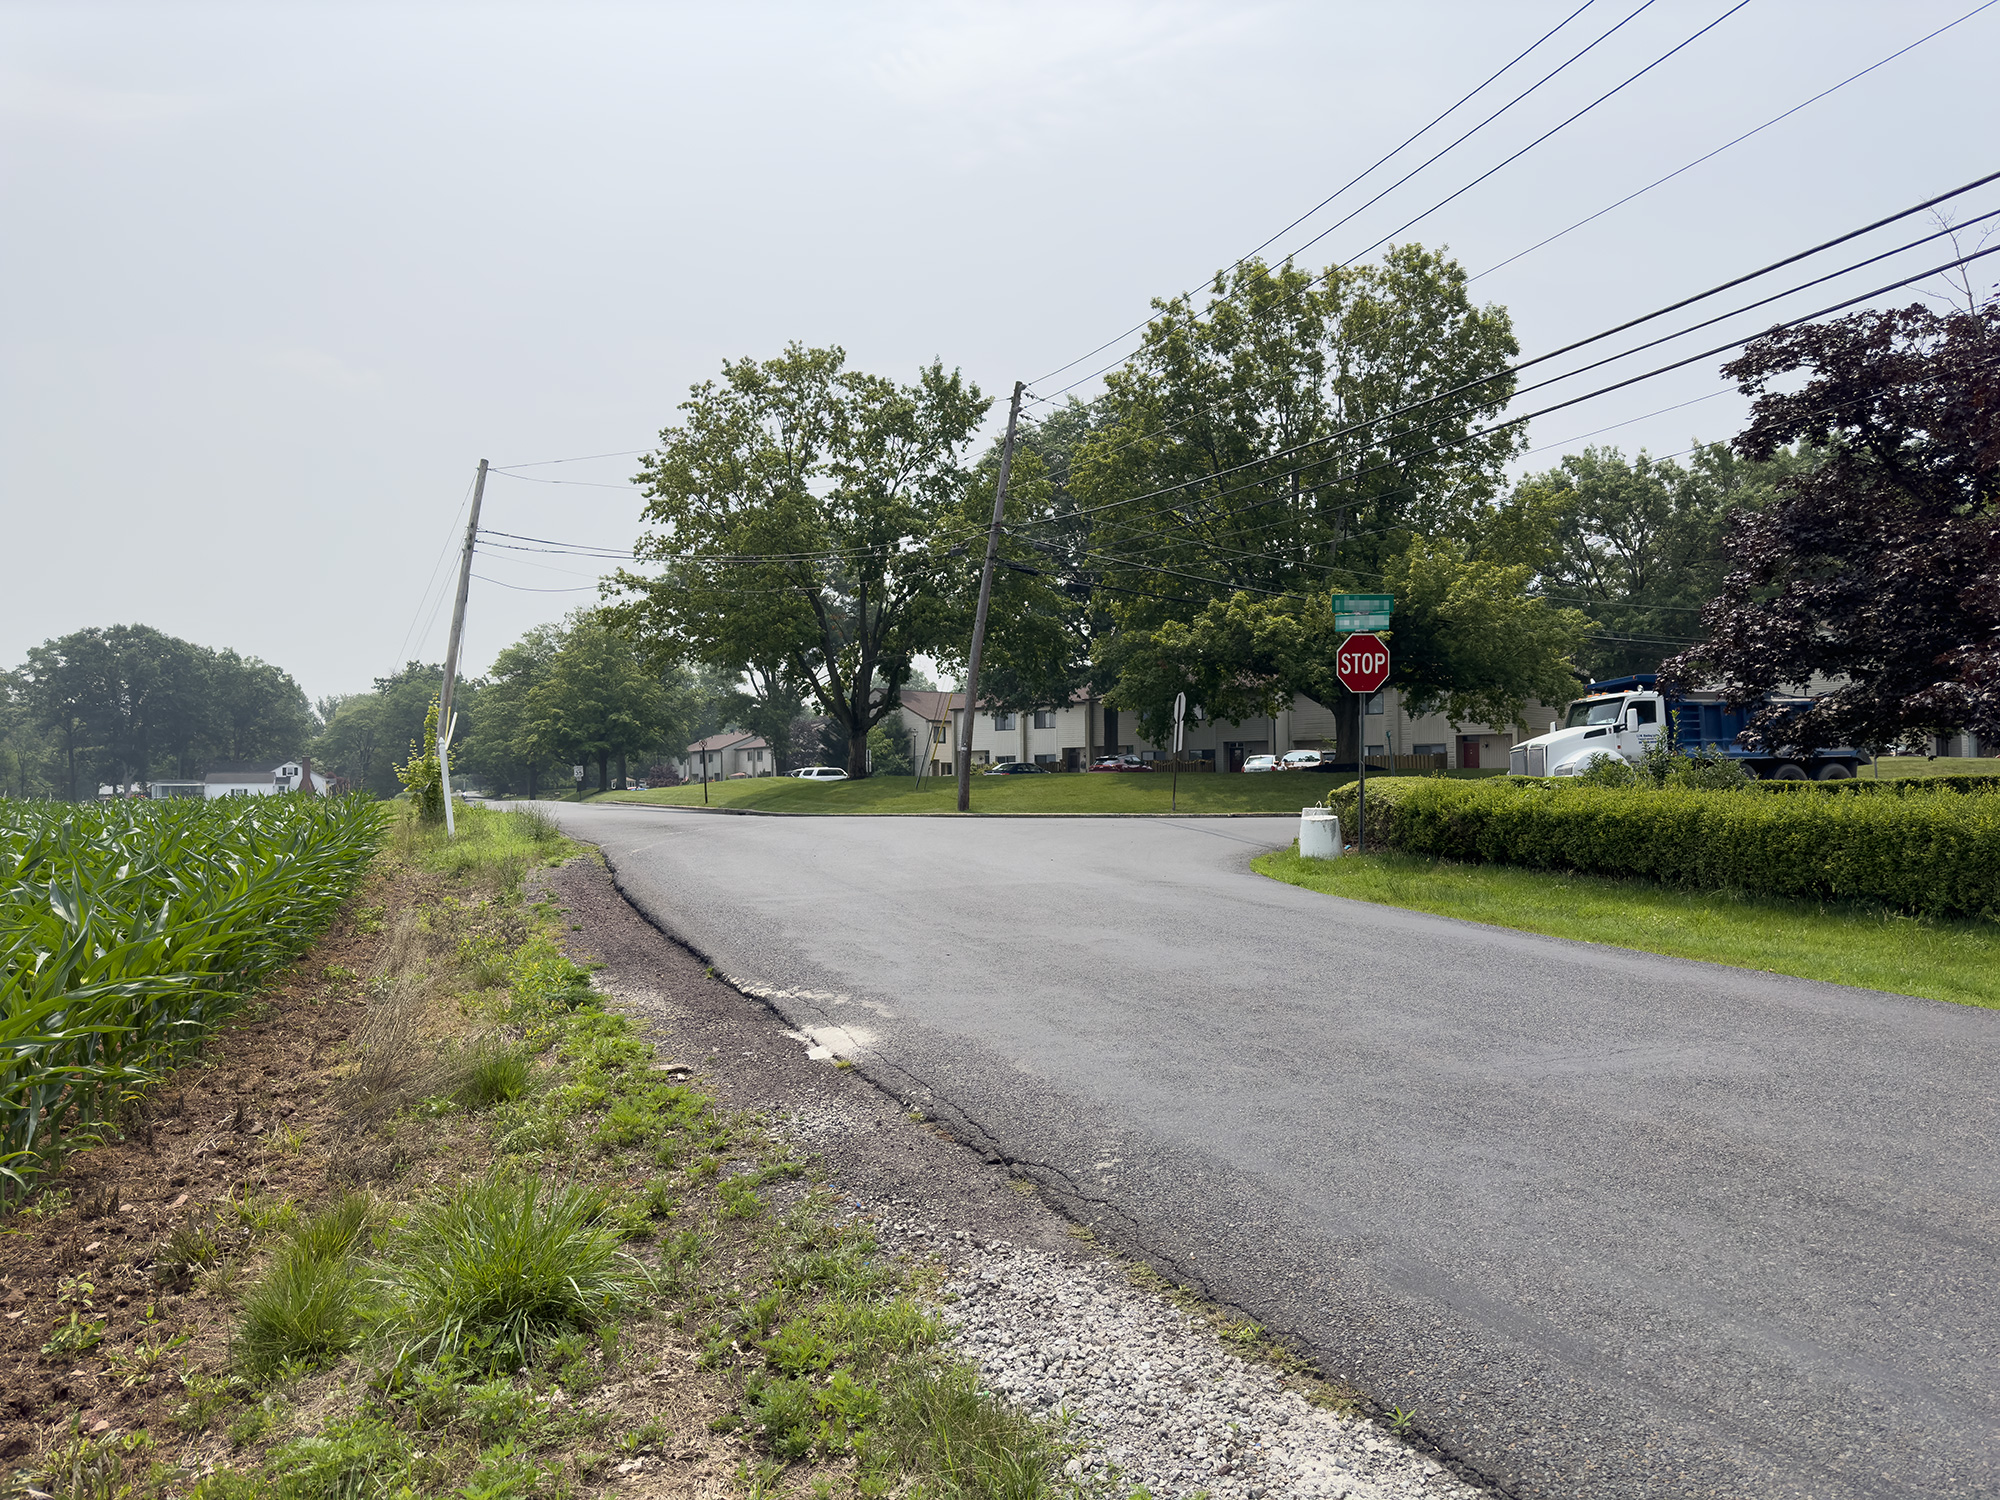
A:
x: 728, y: 739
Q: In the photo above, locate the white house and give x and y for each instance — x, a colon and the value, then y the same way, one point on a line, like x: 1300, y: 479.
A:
x: 722, y: 756
x: 1069, y: 738
x: 252, y: 779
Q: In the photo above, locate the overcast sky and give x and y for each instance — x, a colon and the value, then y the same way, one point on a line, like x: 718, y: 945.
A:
x: 278, y: 275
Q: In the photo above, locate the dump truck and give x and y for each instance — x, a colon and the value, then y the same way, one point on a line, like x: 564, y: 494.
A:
x: 1623, y: 715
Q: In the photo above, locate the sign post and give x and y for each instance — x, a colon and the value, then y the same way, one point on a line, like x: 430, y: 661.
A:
x: 1362, y: 664
x: 1180, y: 735
x: 576, y: 772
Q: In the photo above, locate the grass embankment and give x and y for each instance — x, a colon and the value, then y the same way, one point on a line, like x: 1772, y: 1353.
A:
x: 538, y: 1258
x: 1094, y: 792
x: 1858, y: 945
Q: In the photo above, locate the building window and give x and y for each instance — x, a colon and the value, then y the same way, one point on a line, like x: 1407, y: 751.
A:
x: 1376, y: 706
x: 1430, y: 749
x: 1045, y: 760
x: 1045, y: 718
x: 1003, y: 721
x: 1006, y: 760
x: 937, y: 734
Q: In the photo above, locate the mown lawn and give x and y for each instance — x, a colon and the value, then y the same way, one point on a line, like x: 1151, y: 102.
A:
x: 1844, y: 944
x: 1945, y: 765
x: 1082, y: 792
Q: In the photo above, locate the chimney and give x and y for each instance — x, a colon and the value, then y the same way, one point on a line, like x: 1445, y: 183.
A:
x: 306, y: 777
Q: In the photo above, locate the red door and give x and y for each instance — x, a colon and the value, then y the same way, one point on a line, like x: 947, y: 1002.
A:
x: 1468, y: 752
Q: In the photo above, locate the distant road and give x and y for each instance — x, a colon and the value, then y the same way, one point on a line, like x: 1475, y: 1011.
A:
x: 1611, y: 1225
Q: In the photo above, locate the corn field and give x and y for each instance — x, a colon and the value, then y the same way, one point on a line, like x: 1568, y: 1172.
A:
x: 128, y: 929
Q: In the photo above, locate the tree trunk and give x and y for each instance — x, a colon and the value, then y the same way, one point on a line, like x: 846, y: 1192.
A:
x: 531, y: 781
x: 604, y: 770
x: 623, y: 784
x: 857, y: 753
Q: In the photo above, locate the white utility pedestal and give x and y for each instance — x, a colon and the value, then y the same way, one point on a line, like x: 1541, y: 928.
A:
x: 1319, y: 833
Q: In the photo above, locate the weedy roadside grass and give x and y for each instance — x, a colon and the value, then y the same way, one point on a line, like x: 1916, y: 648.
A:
x: 1853, y: 943
x: 540, y: 1255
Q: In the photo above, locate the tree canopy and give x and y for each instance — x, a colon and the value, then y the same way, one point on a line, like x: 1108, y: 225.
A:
x: 128, y: 704
x: 802, y: 515
x: 1873, y: 577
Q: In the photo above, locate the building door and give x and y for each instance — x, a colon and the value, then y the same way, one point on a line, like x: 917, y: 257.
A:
x: 1468, y: 752
x: 1235, y: 749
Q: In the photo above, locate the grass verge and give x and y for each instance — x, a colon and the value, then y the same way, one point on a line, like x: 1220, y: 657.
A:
x: 540, y: 1264
x: 1080, y: 792
x: 1843, y: 944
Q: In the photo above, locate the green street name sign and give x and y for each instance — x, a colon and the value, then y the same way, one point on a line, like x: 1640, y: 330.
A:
x: 1355, y: 612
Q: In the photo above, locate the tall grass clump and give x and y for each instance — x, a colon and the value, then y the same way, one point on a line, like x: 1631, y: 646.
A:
x: 306, y: 1309
x: 494, y: 849
x: 128, y: 929
x: 485, y: 1276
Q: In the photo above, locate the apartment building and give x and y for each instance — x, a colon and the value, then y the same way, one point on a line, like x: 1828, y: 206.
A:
x: 1068, y: 738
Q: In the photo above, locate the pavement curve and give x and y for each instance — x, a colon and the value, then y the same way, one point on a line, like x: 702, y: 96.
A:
x: 1608, y: 1224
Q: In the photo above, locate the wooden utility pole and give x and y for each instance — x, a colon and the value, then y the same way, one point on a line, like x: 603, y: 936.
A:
x: 451, y: 651
x: 985, y: 598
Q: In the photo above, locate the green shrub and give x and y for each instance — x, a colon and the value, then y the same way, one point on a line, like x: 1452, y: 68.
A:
x: 504, y: 1264
x: 1938, y: 855
x: 1610, y: 770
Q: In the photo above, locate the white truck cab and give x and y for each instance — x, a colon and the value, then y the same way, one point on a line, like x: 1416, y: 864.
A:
x: 1619, y: 723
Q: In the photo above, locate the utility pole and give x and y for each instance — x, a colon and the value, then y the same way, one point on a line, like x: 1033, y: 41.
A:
x: 985, y: 598
x: 451, y: 652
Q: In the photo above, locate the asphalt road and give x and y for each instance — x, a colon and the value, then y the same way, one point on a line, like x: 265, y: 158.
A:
x: 1610, y: 1225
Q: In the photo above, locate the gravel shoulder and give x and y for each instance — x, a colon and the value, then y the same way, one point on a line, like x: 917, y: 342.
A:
x: 1158, y: 1396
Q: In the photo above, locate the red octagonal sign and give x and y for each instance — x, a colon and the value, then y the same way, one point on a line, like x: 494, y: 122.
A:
x: 1363, y: 663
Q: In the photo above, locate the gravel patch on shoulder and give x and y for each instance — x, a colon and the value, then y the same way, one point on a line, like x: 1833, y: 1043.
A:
x: 1157, y: 1398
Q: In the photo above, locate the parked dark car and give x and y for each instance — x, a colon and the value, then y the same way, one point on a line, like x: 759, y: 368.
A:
x: 1017, y: 768
x: 1120, y: 763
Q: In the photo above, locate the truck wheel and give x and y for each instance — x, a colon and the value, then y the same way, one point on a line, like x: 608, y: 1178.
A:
x: 1834, y: 770
x: 1789, y: 772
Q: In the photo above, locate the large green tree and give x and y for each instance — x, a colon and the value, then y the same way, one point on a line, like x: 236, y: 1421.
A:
x: 1637, y: 544
x: 802, y: 515
x: 598, y: 698
x: 1300, y: 433
x: 1876, y: 572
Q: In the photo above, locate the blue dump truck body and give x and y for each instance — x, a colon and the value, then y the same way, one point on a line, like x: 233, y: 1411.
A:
x: 1622, y: 715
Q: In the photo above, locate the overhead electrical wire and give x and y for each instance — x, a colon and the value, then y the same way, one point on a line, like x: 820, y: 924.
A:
x: 1460, y: 192
x: 1739, y: 140
x: 1183, y: 485
x: 1366, y: 171
x: 1582, y: 343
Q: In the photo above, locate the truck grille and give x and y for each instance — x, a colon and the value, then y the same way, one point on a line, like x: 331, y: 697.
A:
x: 1528, y: 760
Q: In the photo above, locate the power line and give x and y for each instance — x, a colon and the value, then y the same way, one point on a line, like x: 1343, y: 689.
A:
x: 1581, y: 343
x: 1379, y: 161
x: 1739, y: 140
x: 1529, y: 416
x: 1516, y: 156
x: 543, y: 463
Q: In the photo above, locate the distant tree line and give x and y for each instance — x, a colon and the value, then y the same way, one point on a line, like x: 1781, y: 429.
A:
x: 126, y: 704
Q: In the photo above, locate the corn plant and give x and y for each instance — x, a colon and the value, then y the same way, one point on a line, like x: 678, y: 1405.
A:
x: 129, y: 929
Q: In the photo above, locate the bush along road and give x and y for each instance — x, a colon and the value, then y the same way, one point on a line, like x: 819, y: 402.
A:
x: 451, y: 1208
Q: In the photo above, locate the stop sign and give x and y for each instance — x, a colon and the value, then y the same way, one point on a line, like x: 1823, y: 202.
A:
x: 1362, y: 663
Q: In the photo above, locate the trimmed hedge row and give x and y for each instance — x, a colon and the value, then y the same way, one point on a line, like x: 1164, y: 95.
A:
x: 1893, y: 786
x: 1938, y: 855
